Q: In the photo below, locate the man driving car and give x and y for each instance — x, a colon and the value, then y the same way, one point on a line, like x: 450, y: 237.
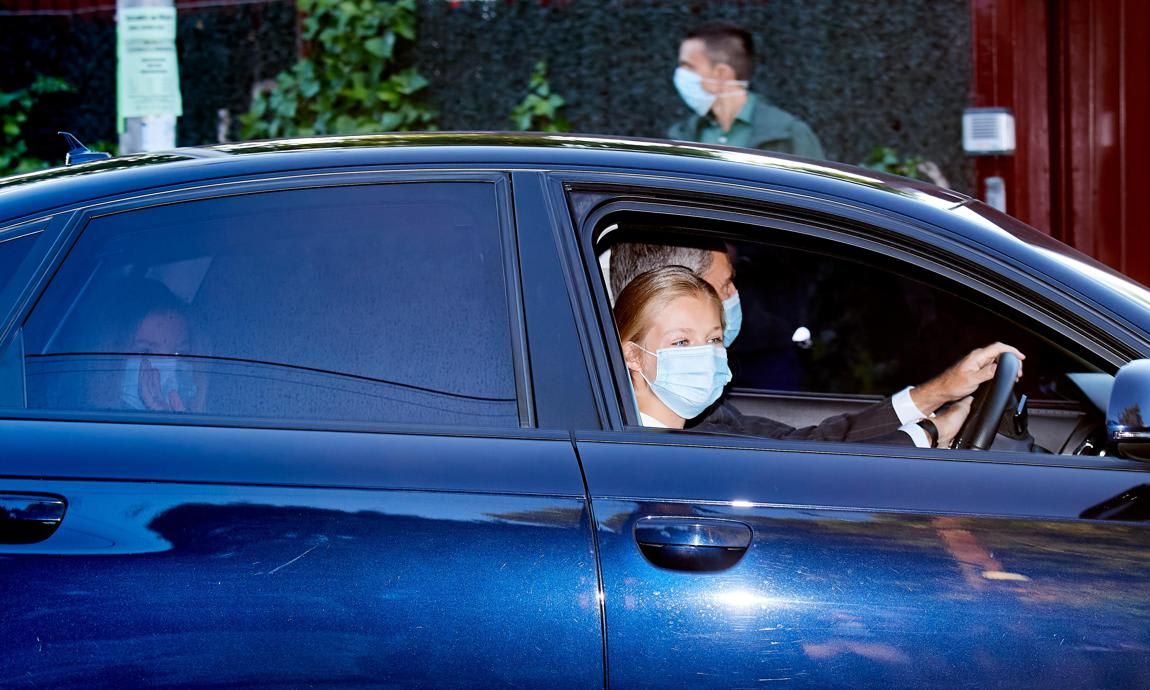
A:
x: 908, y: 417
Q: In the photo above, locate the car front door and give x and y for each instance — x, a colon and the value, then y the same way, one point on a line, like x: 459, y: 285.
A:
x: 853, y: 567
x: 731, y: 561
x: 284, y: 435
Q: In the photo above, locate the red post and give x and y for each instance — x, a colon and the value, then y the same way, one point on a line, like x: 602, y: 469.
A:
x: 1104, y: 112
x: 1074, y: 73
x: 1009, y: 69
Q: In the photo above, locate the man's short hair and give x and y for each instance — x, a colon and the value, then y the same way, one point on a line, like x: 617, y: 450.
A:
x: 630, y: 259
x: 727, y: 43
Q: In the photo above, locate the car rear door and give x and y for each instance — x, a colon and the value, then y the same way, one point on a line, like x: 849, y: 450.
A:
x: 730, y: 561
x: 284, y: 434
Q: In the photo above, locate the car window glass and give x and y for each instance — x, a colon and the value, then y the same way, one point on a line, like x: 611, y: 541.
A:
x: 371, y: 303
x: 14, y: 247
x: 821, y: 322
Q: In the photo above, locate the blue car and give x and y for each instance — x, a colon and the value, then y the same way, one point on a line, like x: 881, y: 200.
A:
x: 353, y: 412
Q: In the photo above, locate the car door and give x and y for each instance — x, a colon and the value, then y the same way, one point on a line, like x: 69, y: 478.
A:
x: 731, y: 561
x: 283, y: 434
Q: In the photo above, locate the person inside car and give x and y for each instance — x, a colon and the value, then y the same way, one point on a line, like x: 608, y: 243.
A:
x: 671, y: 325
x: 157, y: 378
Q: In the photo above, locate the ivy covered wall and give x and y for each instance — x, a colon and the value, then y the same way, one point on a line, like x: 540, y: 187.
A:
x: 223, y: 51
x: 861, y: 73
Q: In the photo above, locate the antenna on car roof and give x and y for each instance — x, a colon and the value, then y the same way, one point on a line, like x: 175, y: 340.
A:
x: 78, y: 153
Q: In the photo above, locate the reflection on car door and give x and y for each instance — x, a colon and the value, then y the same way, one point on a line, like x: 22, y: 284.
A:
x: 859, y: 570
x: 289, y: 558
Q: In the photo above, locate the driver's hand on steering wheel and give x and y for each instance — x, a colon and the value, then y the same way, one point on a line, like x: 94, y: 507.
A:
x: 960, y: 380
x: 949, y: 422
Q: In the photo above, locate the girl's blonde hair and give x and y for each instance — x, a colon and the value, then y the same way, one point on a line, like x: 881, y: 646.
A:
x: 650, y: 292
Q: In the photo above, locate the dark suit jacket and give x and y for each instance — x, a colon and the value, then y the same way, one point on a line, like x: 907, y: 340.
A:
x: 875, y: 424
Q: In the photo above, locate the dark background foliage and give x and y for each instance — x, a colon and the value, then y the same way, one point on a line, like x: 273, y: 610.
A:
x: 861, y: 73
x: 223, y: 51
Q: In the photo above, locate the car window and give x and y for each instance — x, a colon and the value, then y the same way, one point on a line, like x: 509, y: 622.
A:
x: 14, y: 246
x: 381, y: 303
x: 828, y: 328
x: 829, y: 320
x: 823, y: 318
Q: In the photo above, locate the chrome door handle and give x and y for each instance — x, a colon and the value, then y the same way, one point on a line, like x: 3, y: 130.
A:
x: 29, y: 518
x: 692, y: 544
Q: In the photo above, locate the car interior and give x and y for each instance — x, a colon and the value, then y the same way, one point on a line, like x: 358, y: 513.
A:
x: 829, y: 328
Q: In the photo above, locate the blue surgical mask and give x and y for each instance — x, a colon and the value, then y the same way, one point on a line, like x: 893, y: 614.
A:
x: 732, y: 318
x: 175, y: 375
x: 689, y: 379
x: 690, y: 88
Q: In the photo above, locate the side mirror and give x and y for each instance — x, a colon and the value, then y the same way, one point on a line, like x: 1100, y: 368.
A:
x: 1127, y: 415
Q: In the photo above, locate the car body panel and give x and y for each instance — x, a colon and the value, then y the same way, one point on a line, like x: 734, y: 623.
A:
x: 241, y: 558
x: 870, y: 571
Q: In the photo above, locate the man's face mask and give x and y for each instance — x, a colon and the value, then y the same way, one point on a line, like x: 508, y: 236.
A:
x: 175, y: 376
x: 690, y: 87
x: 689, y: 379
x: 733, y: 318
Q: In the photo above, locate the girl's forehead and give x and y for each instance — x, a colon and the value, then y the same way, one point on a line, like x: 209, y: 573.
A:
x: 687, y: 312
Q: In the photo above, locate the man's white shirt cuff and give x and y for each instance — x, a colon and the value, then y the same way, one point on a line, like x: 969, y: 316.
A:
x: 908, y: 415
x: 917, y: 434
x: 904, y: 407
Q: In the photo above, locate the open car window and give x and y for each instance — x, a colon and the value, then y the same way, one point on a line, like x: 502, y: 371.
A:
x: 823, y: 323
x: 828, y: 328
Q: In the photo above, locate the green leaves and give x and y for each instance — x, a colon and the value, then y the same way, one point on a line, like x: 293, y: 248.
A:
x: 351, y: 83
x: 15, y: 108
x: 381, y: 46
x: 888, y: 160
x: 540, y: 109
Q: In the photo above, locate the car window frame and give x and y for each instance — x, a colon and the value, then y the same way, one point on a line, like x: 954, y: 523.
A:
x: 592, y: 198
x: 24, y: 282
x: 863, y: 244
x: 842, y: 252
x: 70, y: 226
x: 911, y: 236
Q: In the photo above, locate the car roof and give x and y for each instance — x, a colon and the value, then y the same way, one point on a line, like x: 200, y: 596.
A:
x: 44, y: 192
x: 41, y: 191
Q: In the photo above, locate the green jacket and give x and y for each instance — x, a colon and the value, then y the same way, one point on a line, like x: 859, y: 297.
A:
x: 763, y: 127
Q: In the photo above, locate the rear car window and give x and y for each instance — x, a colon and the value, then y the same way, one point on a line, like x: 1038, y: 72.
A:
x: 378, y: 303
x: 15, y: 245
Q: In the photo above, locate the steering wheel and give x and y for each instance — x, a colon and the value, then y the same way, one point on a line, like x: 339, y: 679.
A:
x: 990, y: 402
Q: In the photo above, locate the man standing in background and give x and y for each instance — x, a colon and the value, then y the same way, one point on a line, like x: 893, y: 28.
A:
x: 715, y: 64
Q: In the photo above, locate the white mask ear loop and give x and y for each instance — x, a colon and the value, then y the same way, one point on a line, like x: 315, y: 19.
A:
x: 732, y: 82
x: 644, y: 376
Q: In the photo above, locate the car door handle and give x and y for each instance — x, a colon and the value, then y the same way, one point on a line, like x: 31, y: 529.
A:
x: 692, y: 544
x: 29, y: 518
